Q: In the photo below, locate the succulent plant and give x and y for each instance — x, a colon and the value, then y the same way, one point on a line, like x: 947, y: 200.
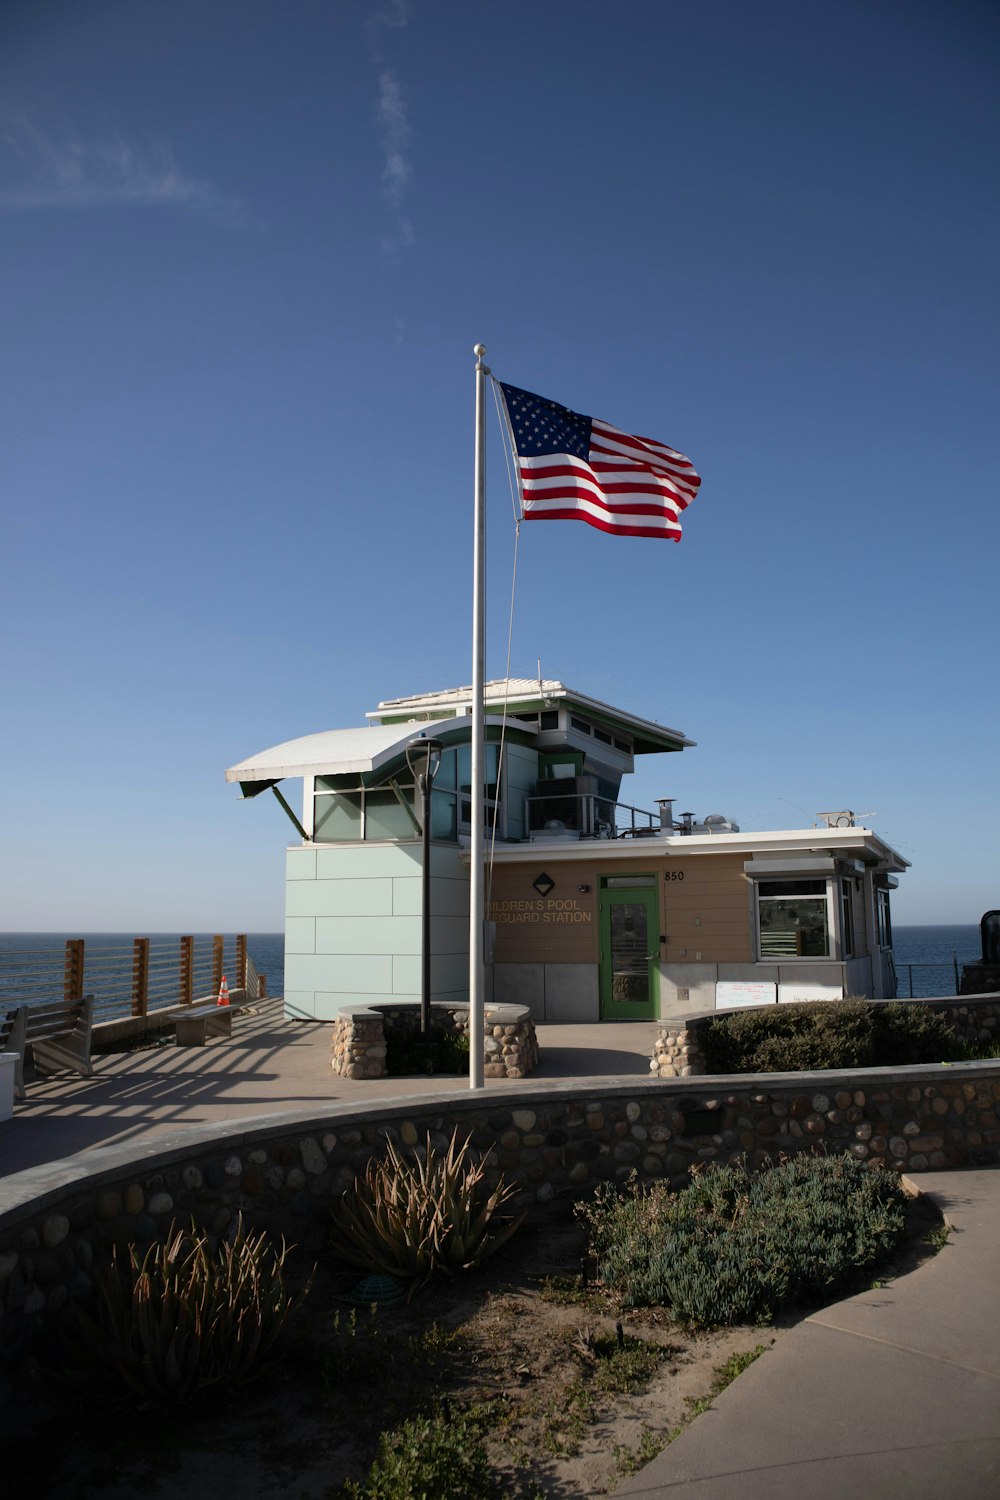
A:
x: 184, y: 1315
x: 409, y: 1216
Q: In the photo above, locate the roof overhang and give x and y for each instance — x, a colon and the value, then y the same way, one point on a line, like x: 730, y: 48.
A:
x: 797, y: 843
x: 523, y: 695
x: 345, y: 752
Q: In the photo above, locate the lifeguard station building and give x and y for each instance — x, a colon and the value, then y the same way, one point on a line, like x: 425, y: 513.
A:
x: 598, y: 910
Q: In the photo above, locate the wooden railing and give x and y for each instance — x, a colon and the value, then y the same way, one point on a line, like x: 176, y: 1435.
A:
x: 129, y: 977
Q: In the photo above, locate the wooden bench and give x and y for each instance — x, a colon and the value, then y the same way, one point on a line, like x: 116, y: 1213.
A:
x: 58, y: 1033
x: 194, y: 1024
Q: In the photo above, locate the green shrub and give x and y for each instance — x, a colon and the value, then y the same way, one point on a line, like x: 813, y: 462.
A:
x: 906, y: 1034
x: 411, y: 1216
x: 827, y: 1034
x: 428, y: 1458
x: 407, y: 1056
x: 185, y: 1315
x: 734, y: 1247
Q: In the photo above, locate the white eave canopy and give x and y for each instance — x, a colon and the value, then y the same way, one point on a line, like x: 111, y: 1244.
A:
x: 343, y: 752
x: 797, y: 843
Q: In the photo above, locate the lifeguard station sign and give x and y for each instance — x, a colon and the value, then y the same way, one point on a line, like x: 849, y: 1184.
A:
x: 546, y: 910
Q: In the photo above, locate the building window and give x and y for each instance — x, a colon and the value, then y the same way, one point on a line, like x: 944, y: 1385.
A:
x: 846, y: 919
x: 491, y: 772
x: 373, y: 813
x: 386, y: 819
x: 882, y: 917
x: 343, y: 813
x: 337, y: 817
x: 793, y: 918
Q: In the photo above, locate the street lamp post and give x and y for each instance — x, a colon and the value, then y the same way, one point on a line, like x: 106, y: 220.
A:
x: 423, y: 756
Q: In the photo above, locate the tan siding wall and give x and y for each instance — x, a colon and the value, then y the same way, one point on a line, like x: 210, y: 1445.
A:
x: 563, y: 927
x: 560, y: 928
x: 706, y: 914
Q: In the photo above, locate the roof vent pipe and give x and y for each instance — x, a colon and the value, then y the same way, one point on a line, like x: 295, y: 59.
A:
x: 666, y: 806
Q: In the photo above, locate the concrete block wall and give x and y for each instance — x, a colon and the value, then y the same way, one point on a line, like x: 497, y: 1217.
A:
x: 552, y: 992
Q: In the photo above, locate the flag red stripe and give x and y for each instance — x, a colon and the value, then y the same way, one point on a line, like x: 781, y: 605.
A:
x: 545, y: 480
x: 614, y: 527
x: 652, y: 505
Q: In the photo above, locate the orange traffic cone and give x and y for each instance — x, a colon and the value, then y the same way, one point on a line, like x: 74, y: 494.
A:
x: 223, y: 992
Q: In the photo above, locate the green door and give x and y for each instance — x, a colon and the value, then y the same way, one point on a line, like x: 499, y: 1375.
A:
x: 630, y: 954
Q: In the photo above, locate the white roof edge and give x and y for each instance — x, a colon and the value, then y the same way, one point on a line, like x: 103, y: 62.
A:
x: 527, y: 687
x: 767, y: 840
x: 342, y: 752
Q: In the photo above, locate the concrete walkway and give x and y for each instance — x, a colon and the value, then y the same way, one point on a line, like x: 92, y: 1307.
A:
x: 894, y: 1393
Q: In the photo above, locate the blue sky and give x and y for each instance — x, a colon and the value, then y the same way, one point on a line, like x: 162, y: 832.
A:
x: 245, y: 251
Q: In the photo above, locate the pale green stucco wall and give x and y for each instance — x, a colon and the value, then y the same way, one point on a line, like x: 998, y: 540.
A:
x: 353, y: 926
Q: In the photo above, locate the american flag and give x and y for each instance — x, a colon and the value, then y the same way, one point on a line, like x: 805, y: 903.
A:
x: 575, y: 468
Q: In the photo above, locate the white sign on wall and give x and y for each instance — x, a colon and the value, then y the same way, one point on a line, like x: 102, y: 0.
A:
x: 730, y: 993
x: 799, y: 994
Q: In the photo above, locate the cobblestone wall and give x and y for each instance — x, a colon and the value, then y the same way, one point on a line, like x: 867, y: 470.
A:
x: 677, y: 1051
x: 978, y: 979
x: 358, y: 1044
x: 57, y: 1222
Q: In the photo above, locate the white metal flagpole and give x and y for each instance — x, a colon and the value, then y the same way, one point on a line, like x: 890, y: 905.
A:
x: 477, y: 895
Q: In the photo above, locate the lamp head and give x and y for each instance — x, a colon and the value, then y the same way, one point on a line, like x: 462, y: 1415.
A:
x: 423, y: 756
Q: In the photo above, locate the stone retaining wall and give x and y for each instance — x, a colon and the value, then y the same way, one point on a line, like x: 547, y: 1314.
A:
x: 58, y: 1221
x: 358, y: 1044
x: 978, y: 978
x: 677, y: 1050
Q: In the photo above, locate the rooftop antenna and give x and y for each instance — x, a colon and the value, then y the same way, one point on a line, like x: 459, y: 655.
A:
x: 845, y: 817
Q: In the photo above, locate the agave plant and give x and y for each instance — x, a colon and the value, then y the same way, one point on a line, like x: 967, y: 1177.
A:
x: 185, y: 1314
x: 411, y: 1216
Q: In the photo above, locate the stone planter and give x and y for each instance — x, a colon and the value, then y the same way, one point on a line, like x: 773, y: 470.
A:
x: 358, y: 1046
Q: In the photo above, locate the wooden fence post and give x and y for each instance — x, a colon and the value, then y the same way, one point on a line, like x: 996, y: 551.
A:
x: 240, y: 977
x: 217, y: 961
x: 140, y: 976
x: 73, y: 970
x: 261, y: 986
x: 187, y: 971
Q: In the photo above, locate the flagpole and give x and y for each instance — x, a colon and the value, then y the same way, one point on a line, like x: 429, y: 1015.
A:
x: 477, y: 895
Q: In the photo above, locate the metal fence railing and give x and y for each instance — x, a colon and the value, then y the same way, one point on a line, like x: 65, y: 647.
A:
x: 585, y: 815
x: 932, y: 979
x: 129, y: 977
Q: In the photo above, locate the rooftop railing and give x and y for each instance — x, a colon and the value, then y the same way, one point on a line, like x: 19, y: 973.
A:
x: 586, y: 816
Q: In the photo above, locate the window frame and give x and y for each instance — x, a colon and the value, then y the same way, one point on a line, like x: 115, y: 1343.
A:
x: 830, y: 917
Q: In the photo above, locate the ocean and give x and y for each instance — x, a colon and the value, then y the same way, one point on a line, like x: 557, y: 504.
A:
x: 107, y: 956
x: 925, y: 956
